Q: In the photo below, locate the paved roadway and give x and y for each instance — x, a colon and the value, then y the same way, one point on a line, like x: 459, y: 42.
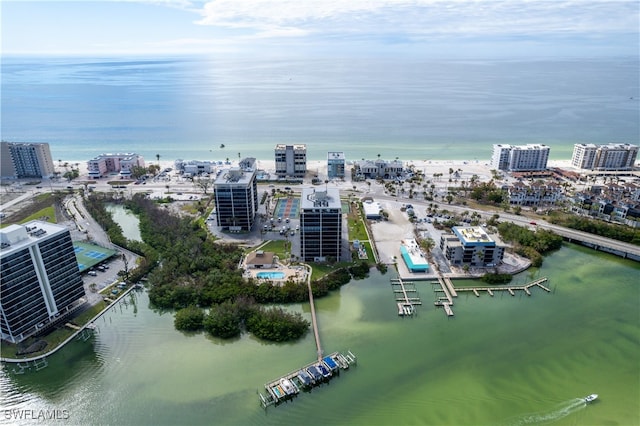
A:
x: 188, y: 189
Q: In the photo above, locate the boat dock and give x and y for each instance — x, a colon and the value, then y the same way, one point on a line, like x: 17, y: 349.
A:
x: 314, y: 374
x: 511, y: 289
x: 406, y: 296
x: 449, y: 291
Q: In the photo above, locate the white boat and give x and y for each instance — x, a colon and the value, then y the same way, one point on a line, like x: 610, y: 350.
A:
x: 591, y: 398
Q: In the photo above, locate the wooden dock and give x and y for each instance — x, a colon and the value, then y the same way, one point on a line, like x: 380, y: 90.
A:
x: 406, y: 296
x: 510, y: 289
x: 449, y: 291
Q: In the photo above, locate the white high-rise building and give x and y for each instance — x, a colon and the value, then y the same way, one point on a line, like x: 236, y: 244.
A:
x: 604, y: 157
x: 520, y: 158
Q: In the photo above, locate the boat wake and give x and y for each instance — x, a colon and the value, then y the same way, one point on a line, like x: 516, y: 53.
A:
x: 561, y: 410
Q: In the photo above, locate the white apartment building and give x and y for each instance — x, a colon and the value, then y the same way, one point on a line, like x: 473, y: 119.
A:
x: 604, y: 157
x: 520, y: 158
x: 121, y: 163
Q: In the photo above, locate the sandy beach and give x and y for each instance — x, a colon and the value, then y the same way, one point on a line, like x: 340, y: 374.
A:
x: 466, y: 169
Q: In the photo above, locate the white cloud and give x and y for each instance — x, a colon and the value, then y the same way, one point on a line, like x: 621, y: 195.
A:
x: 420, y: 18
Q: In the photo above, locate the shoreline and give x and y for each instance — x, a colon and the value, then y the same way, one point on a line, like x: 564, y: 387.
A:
x: 468, y: 167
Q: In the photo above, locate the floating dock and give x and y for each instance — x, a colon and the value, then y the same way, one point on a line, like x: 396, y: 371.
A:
x: 314, y: 374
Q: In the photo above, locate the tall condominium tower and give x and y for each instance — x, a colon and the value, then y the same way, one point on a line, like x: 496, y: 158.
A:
x: 520, y: 158
x: 25, y: 160
x: 236, y: 195
x: 613, y: 156
x: 40, y: 278
x: 320, y: 225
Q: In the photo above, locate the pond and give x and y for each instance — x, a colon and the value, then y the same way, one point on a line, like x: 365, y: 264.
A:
x: 128, y: 221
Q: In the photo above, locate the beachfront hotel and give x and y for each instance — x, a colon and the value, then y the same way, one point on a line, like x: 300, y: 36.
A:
x: 520, y: 158
x: 613, y: 156
x: 25, y: 160
x: 40, y: 278
x: 320, y: 225
x: 291, y: 160
x: 236, y: 197
x: 121, y: 163
x: 335, y: 165
x: 471, y: 245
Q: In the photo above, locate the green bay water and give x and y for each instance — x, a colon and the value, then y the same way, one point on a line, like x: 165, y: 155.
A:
x: 503, y: 360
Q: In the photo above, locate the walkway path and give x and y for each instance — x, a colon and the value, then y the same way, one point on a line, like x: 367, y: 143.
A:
x: 314, y: 321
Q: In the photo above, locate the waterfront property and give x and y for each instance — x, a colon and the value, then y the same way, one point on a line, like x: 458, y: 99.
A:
x: 335, y: 165
x: 236, y: 198
x: 413, y: 256
x: 40, y: 280
x: 25, y: 160
x: 520, y: 158
x: 320, y: 225
x: 613, y: 156
x: 471, y: 245
x: 121, y: 163
x: 291, y: 160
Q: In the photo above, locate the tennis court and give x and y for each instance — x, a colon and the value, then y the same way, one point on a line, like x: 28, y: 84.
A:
x: 89, y: 255
x: 287, y: 207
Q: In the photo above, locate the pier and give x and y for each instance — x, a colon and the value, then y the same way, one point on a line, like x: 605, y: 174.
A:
x: 510, y: 289
x: 406, y: 296
x: 450, y: 292
x: 286, y: 387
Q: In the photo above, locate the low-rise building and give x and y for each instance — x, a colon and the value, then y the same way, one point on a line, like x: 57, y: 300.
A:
x: 378, y: 169
x: 121, y: 163
x: 291, y: 160
x: 335, y: 165
x: 261, y: 259
x: 194, y: 167
x: 472, y: 245
x: 534, y: 193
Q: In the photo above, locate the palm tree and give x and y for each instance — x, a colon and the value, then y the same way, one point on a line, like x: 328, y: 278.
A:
x: 158, y: 158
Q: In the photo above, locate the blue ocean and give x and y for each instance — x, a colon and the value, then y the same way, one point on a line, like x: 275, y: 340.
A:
x: 410, y: 108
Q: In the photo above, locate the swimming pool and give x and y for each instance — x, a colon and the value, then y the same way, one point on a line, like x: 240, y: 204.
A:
x: 275, y: 275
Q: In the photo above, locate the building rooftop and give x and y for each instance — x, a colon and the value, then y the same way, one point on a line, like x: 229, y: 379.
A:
x: 15, y: 237
x: 283, y: 146
x: 472, y: 235
x: 329, y: 199
x: 335, y: 155
x: 234, y: 175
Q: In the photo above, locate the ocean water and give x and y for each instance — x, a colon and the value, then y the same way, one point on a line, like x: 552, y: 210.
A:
x: 410, y: 108
x: 503, y: 360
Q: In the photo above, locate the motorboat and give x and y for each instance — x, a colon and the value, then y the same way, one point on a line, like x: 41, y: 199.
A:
x: 591, y: 398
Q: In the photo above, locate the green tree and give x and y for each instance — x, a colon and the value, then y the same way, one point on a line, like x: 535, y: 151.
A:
x: 189, y: 319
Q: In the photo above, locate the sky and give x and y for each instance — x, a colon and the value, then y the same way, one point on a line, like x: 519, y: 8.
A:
x: 455, y: 28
